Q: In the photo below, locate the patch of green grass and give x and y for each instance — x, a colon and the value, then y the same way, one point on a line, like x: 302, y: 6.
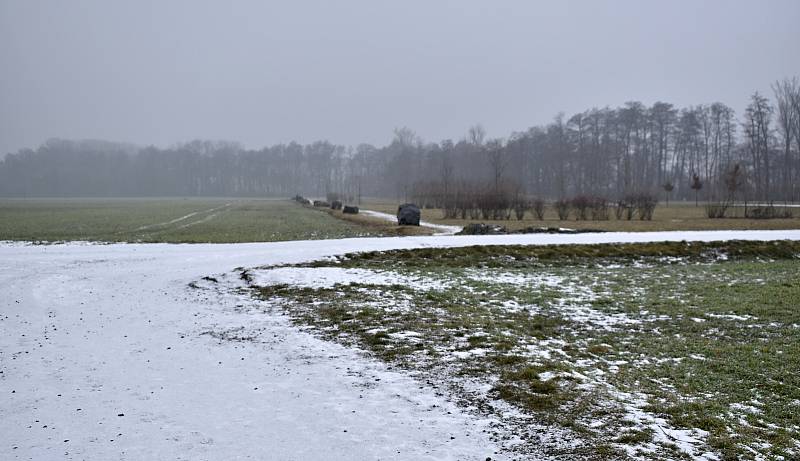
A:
x: 195, y: 220
x: 633, y: 437
x: 527, y: 256
x: 700, y: 336
x: 735, y: 331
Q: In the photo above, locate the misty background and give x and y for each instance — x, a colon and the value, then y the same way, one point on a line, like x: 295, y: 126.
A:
x: 342, y: 79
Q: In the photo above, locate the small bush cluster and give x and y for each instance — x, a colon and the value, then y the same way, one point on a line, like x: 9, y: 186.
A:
x: 537, y: 206
x: 583, y: 208
x: 717, y: 210
x: 641, y: 204
x: 767, y: 212
x: 472, y: 200
x: 562, y: 207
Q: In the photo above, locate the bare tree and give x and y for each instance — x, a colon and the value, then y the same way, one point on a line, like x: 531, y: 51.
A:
x: 734, y: 180
x: 498, y: 161
x: 758, y: 135
x: 786, y: 92
x: 663, y: 117
x: 446, y: 174
x: 476, y: 134
x: 668, y: 187
x: 697, y: 184
x: 405, y: 136
x: 723, y: 133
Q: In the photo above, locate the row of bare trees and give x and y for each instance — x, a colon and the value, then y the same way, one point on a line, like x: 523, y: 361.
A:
x: 501, y: 201
x: 601, y: 152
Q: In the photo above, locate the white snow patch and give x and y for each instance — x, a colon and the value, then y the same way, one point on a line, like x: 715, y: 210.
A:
x: 546, y: 375
x: 732, y: 317
x: 689, y: 441
x: 328, y: 277
x: 411, y: 336
x: 479, y: 352
x: 602, y: 320
x: 518, y: 279
x: 571, y: 305
x: 746, y: 408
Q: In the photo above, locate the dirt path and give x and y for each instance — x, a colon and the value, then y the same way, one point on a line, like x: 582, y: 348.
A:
x: 438, y: 229
x: 106, y: 353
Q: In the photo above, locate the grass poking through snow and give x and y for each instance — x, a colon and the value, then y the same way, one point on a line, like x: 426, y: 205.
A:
x: 651, y: 351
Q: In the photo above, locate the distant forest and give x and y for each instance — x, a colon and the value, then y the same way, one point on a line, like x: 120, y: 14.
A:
x: 605, y: 152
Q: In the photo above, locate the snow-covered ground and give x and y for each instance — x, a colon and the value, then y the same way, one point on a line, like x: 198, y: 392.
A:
x: 107, y: 353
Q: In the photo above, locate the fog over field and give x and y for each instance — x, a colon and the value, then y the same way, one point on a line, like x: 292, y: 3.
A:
x: 547, y: 98
x: 264, y: 73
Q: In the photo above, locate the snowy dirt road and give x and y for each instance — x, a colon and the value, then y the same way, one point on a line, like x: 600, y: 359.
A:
x: 438, y: 229
x: 107, y: 353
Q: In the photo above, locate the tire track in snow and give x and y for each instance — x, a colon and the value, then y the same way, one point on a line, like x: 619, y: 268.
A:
x: 207, y: 218
x: 177, y: 220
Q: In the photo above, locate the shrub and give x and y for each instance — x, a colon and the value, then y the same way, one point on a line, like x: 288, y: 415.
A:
x: 562, y: 207
x: 767, y: 212
x: 520, y: 207
x: 537, y: 205
x: 716, y: 210
x: 580, y: 205
x: 642, y: 204
x: 645, y: 205
x: 624, y: 210
x: 599, y: 209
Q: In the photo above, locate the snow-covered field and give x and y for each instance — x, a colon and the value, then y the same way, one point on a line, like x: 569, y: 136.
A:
x: 107, y: 353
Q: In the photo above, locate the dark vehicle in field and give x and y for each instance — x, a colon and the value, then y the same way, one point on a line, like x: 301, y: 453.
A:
x: 408, y: 215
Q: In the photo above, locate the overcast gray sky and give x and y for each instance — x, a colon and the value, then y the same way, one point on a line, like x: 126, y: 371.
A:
x: 160, y: 72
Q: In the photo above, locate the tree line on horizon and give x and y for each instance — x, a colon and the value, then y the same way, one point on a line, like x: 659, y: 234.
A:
x: 608, y: 152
